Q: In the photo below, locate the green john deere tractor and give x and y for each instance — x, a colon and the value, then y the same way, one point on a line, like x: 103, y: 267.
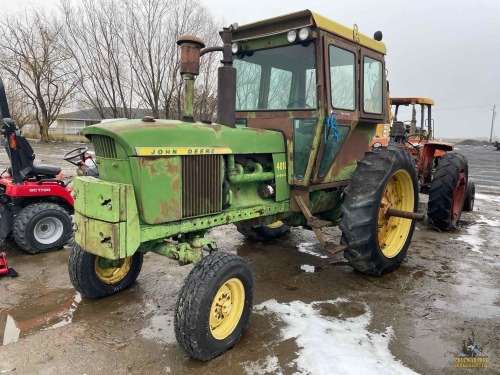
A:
x: 299, y: 99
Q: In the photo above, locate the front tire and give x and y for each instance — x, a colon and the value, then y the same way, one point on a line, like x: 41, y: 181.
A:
x: 470, y: 196
x: 214, y: 305
x: 96, y: 277
x: 447, y: 192
x: 263, y: 233
x: 42, y: 227
x: 384, y: 179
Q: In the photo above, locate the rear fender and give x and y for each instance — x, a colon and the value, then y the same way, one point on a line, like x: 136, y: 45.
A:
x: 428, y: 153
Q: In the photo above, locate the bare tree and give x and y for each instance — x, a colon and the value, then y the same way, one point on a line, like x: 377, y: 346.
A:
x: 21, y: 109
x: 148, y: 43
x: 104, y: 72
x: 34, y: 58
x: 190, y: 17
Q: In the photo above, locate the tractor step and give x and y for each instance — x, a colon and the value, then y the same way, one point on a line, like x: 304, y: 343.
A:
x: 315, y: 223
x: 333, y: 248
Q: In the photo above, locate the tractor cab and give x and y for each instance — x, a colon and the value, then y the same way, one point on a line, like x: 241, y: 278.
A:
x: 416, y: 130
x: 317, y: 82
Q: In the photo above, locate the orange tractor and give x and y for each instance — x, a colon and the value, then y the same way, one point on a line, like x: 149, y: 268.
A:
x: 442, y: 173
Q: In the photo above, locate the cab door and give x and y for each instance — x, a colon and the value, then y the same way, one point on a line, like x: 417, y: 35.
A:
x: 342, y: 75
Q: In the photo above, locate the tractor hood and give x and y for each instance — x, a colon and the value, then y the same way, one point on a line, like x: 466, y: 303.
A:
x: 138, y: 137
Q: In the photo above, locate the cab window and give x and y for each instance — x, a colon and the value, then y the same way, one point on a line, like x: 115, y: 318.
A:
x: 342, y: 78
x: 372, y: 82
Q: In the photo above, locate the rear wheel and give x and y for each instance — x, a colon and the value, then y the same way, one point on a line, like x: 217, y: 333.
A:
x: 384, y: 179
x: 96, y: 277
x: 447, y: 192
x: 214, y: 305
x: 42, y: 227
x: 263, y: 233
x: 470, y: 195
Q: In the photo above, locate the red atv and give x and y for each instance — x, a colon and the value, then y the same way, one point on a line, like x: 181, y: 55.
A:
x: 35, y: 203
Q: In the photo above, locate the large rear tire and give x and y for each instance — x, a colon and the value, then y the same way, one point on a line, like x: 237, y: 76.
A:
x: 384, y: 179
x: 96, y: 277
x: 447, y: 192
x: 42, y: 227
x: 263, y: 233
x: 214, y: 305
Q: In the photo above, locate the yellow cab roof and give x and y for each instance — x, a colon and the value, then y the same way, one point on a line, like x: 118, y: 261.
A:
x: 308, y: 18
x: 410, y: 100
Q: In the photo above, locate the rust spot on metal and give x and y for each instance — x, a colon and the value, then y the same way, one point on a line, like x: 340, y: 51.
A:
x: 351, y: 151
x: 148, y: 119
x: 149, y: 164
x: 169, y: 211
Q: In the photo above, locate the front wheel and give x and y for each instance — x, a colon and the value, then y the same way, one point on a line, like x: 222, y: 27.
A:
x: 96, y: 277
x: 42, y: 227
x: 384, y: 179
x: 447, y: 192
x: 470, y: 196
x: 214, y: 305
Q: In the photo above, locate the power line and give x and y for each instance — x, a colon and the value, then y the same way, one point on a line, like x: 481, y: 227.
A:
x: 460, y: 108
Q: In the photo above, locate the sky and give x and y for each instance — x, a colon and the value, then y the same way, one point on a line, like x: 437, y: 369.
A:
x: 445, y: 50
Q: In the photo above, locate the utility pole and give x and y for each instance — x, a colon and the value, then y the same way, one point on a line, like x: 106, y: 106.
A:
x: 492, y: 122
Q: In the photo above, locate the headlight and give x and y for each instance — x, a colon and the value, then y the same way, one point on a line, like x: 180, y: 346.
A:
x: 235, y: 48
x: 305, y: 34
x: 291, y: 36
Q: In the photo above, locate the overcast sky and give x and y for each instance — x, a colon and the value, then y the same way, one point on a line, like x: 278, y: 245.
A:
x: 446, y: 50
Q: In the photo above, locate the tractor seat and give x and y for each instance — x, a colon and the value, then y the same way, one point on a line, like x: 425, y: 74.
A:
x: 398, y: 130
x: 45, y: 169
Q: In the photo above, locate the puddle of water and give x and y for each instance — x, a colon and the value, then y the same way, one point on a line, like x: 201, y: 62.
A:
x: 487, y: 197
x: 53, y: 310
x: 478, y: 299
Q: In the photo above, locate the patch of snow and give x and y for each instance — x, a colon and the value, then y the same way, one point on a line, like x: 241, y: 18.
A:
x: 270, y: 365
x: 328, y: 345
x: 491, y: 223
x: 306, y: 248
x: 307, y: 268
x: 472, y: 238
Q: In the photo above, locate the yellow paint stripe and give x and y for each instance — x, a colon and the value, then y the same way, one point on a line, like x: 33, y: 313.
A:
x: 181, y: 151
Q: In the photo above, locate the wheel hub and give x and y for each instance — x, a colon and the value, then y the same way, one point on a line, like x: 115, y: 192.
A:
x: 226, y: 309
x: 48, y: 230
x: 393, y: 231
x: 112, y: 271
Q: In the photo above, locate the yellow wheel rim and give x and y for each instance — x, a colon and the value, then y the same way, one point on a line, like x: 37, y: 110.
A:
x: 275, y: 225
x: 393, y: 231
x: 227, y: 308
x: 112, y: 271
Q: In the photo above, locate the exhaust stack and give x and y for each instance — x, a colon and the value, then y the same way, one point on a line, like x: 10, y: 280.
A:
x: 191, y: 51
x: 189, y: 69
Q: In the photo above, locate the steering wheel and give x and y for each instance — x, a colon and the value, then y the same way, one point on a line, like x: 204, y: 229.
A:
x: 76, y: 153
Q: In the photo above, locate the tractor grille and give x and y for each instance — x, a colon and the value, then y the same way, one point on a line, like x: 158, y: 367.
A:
x: 201, y: 185
x: 104, y: 146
